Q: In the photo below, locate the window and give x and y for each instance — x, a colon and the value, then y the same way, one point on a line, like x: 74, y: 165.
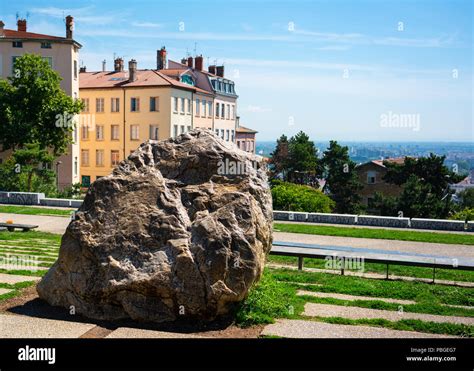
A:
x: 204, y: 105
x: 370, y: 203
x: 154, y: 132
x: 227, y: 132
x: 189, y: 106
x: 232, y: 116
x: 114, y: 157
x: 182, y: 129
x: 228, y: 112
x: 232, y: 135
x: 217, y: 132
x: 222, y: 133
x: 217, y: 110
x: 371, y: 177
x: 154, y: 104
x: 75, y: 165
x: 189, y: 128
x: 114, y: 132
x: 14, y: 58
x: 182, y: 105
x: 85, y: 157
x: 175, y: 104
x: 85, y: 180
x: 85, y: 132
x: 99, y: 105
x: 75, y: 70
x: 115, y: 104
x: 238, y: 143
x: 85, y: 103
x: 222, y: 111
x: 134, y: 132
x: 198, y: 107
x: 175, y: 131
x: 45, y: 45
x: 17, y: 44
x: 99, y: 157
x: 135, y: 104
x: 99, y: 132
x: 209, y: 109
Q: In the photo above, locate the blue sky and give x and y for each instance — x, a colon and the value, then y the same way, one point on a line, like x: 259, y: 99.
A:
x: 330, y: 68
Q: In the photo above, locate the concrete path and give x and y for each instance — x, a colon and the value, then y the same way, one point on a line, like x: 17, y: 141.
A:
x: 127, y: 333
x: 4, y: 291
x: 334, y: 295
x: 53, y: 224
x: 328, y: 310
x: 19, y: 326
x: 371, y: 243
x: 11, y: 279
x: 312, y: 329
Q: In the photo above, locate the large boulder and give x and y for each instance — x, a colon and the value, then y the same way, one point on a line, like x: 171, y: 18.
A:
x: 179, y: 229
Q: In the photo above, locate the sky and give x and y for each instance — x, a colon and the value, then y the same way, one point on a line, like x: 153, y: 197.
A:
x: 349, y: 70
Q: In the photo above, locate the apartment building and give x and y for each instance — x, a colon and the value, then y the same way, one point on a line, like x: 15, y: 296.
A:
x: 62, y: 53
x: 245, y: 138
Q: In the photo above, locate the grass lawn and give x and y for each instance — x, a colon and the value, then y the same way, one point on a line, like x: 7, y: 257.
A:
x: 40, y: 247
x: 34, y: 210
x: 275, y: 297
x: 387, y: 234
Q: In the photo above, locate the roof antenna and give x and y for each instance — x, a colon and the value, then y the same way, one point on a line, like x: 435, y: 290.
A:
x: 195, y: 48
x: 17, y: 15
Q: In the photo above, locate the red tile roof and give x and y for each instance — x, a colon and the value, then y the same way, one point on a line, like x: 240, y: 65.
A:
x: 29, y: 35
x: 111, y: 79
x: 243, y: 129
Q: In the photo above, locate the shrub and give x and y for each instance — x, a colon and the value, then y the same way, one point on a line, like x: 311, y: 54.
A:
x: 295, y: 197
x: 466, y: 214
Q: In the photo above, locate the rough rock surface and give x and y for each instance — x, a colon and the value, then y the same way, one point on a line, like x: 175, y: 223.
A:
x: 173, y: 232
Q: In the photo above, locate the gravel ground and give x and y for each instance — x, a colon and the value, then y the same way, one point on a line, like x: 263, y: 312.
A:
x: 312, y: 329
x: 328, y: 310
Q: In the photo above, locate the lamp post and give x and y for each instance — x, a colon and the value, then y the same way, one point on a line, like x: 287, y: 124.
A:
x: 57, y: 174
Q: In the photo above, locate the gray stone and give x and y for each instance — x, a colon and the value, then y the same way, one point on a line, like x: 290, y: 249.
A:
x: 173, y: 233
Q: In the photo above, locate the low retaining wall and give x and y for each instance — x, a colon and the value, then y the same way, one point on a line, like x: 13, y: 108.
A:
x: 383, y: 221
x: 21, y: 198
x: 438, y: 224
x: 60, y: 202
x: 332, y: 218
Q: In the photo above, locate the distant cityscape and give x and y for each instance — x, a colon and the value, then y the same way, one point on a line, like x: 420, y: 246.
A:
x: 458, y: 154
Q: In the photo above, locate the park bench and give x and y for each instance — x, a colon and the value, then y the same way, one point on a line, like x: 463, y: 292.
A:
x: 345, y: 254
x: 12, y: 226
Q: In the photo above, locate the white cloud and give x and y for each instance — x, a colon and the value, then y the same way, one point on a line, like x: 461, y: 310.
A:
x: 147, y: 24
x: 257, y: 109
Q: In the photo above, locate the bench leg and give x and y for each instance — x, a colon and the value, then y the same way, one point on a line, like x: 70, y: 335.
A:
x: 343, y: 266
x: 300, y: 263
x: 11, y: 229
x: 434, y: 274
x: 386, y: 277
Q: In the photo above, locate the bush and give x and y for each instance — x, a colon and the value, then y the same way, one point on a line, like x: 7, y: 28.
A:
x: 466, y: 215
x: 295, y: 197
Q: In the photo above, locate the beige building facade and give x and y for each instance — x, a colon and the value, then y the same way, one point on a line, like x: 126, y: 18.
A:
x: 62, y: 53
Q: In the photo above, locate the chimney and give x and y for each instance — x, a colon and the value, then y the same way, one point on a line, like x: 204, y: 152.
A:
x: 69, y: 26
x: 161, y: 62
x: 190, y: 62
x: 184, y: 61
x: 220, y: 71
x: 132, y: 70
x: 104, y: 65
x: 198, y: 62
x: 118, y: 65
x: 212, y: 69
x: 1, y: 28
x: 21, y: 23
x: 82, y: 69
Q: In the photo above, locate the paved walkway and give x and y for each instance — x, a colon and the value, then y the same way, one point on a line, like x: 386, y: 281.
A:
x: 311, y: 329
x: 53, y: 224
x: 370, y: 243
x: 329, y: 310
x: 334, y: 295
x: 11, y: 279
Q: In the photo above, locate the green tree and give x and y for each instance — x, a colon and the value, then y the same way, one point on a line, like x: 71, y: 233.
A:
x: 425, y: 182
x: 294, y: 197
x: 466, y: 198
x: 279, y: 158
x: 34, y: 108
x: 303, y: 164
x: 342, y: 182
